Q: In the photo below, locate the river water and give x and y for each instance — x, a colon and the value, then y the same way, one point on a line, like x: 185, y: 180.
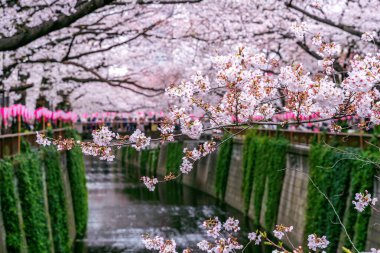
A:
x: 121, y: 209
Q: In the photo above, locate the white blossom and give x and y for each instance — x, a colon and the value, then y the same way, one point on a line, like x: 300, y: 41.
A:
x: 150, y: 182
x: 315, y: 242
x: 255, y: 237
x: 41, y: 140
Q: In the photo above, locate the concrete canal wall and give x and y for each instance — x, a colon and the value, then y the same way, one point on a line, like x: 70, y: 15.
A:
x: 292, y: 204
x: 43, y: 201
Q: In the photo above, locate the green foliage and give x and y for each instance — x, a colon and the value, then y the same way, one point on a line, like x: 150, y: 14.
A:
x: 149, y: 161
x: 123, y: 156
x: 362, y: 177
x: 132, y: 155
x: 316, y: 204
x: 338, y: 175
x: 275, y: 176
x: 153, y: 162
x: 8, y: 202
x: 262, y: 159
x: 249, y: 154
x: 30, y: 187
x: 56, y: 200
x: 223, y: 167
x: 144, y: 161
x: 174, y: 157
x: 77, y: 176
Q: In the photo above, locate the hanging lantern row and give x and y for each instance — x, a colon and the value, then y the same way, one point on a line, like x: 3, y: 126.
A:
x: 30, y: 116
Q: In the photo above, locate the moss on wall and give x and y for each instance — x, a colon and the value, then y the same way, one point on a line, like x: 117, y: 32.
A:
x: 154, y: 161
x: 56, y: 200
x: 8, y: 202
x: 174, y: 157
x: 30, y: 188
x: 223, y: 166
x: 249, y: 154
x: 278, y: 149
x: 339, y: 176
x: 77, y: 175
x: 362, y: 177
x: 123, y: 156
x: 264, y: 162
x: 144, y: 161
x: 35, y: 212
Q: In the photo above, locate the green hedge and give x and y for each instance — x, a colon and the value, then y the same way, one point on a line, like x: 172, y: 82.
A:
x: 30, y: 188
x: 77, y: 175
x: 174, y: 155
x: 339, y: 176
x: 8, y: 202
x: 56, y: 200
x: 223, y: 167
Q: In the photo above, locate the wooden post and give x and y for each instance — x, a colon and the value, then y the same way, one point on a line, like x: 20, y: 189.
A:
x: 19, y: 134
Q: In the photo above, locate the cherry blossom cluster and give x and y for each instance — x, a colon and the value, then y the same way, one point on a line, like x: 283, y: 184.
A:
x: 139, y: 140
x: 315, y: 242
x: 363, y: 200
x: 103, y: 136
x: 299, y: 29
x: 192, y: 156
x: 254, y: 237
x: 190, y: 127
x: 224, y: 239
x: 280, y: 231
x: 150, y: 183
x: 158, y: 243
x: 42, y: 140
x: 251, y: 93
x: 166, y: 129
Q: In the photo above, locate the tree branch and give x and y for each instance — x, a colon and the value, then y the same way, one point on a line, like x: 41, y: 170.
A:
x: 343, y: 27
x: 31, y: 34
x: 18, y: 88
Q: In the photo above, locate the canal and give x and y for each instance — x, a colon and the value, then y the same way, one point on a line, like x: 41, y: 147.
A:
x: 121, y: 209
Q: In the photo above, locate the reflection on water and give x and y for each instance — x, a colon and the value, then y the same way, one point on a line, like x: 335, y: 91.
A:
x: 121, y: 209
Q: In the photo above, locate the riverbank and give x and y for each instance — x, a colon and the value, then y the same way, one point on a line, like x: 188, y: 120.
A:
x: 271, y: 185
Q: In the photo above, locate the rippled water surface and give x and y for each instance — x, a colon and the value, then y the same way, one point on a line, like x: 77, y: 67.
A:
x: 121, y: 209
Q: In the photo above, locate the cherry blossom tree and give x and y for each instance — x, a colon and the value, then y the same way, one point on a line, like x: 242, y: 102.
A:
x: 88, y: 51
